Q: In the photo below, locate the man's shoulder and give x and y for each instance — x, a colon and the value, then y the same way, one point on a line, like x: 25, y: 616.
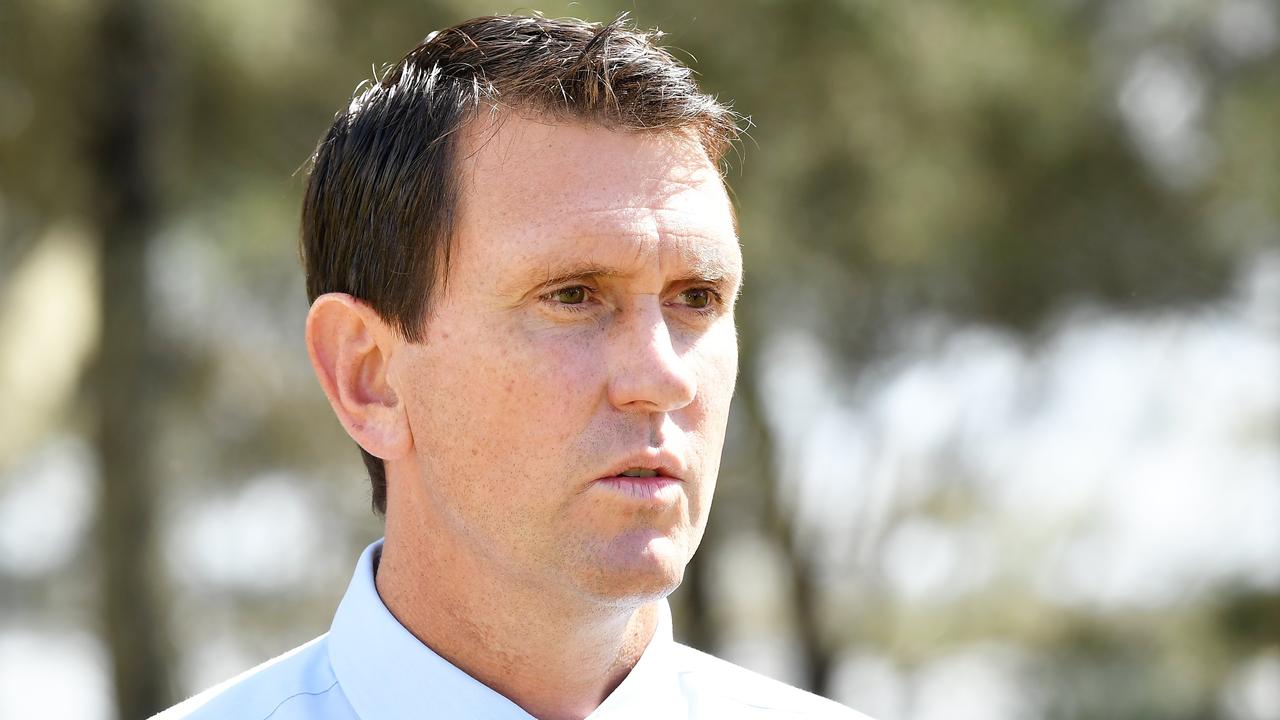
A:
x: 719, y: 685
x: 298, y: 684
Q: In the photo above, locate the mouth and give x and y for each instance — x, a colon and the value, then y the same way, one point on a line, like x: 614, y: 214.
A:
x: 649, y: 465
x: 653, y: 476
x: 656, y: 488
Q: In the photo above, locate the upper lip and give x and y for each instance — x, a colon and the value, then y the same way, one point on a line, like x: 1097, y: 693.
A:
x: 664, y: 462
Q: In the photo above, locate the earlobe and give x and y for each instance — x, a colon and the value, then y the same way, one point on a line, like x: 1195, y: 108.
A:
x: 350, y: 348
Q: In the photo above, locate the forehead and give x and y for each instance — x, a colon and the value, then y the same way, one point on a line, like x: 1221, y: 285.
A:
x: 530, y: 189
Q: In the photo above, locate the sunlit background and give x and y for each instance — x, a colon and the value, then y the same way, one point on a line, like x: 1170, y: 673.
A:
x: 1007, y: 437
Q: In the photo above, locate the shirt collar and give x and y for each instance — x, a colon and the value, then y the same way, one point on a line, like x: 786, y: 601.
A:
x: 388, y: 674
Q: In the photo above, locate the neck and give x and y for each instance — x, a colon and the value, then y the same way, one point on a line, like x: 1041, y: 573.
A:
x: 555, y: 655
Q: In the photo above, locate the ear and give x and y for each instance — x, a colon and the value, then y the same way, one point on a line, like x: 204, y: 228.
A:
x: 350, y: 349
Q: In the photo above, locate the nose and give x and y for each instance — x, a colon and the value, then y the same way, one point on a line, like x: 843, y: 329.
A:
x: 646, y: 372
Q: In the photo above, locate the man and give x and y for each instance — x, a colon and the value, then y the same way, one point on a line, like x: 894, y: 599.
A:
x: 523, y: 265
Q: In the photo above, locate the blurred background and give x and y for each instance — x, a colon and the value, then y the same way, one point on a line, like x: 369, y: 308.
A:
x: 1007, y: 437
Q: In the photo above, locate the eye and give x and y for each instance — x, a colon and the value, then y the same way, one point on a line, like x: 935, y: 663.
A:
x: 575, y: 295
x: 698, y: 298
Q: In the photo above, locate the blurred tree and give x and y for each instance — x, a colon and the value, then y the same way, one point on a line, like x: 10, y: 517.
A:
x: 122, y: 103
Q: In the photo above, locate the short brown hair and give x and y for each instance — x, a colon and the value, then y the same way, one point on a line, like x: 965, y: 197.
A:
x: 379, y: 208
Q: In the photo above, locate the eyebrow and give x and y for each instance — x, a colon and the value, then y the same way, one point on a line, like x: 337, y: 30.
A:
x: 711, y: 271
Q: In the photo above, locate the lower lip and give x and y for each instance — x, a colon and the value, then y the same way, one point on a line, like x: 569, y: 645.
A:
x: 658, y: 488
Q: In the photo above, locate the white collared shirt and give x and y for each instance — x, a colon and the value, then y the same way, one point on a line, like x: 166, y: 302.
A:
x: 369, y: 667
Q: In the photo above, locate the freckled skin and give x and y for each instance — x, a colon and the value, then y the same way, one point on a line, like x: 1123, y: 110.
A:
x: 517, y: 403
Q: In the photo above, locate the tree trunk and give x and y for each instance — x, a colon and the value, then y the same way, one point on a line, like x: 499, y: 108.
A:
x: 122, y: 101
x: 804, y: 594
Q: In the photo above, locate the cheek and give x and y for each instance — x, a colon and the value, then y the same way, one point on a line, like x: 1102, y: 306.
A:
x: 496, y: 397
x: 715, y: 355
x: 718, y: 378
x: 550, y: 385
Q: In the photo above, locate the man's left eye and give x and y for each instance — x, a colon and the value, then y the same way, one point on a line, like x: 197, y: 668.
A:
x: 697, y: 298
x: 575, y: 295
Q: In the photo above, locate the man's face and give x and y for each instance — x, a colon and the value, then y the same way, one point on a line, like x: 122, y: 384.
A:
x: 586, y: 328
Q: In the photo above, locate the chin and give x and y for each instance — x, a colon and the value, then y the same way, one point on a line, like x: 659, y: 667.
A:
x: 638, y: 570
